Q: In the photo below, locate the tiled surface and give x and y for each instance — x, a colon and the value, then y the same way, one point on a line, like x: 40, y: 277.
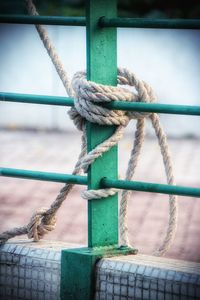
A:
x: 125, y: 280
x: 32, y: 271
x: 148, y: 213
x: 29, y: 273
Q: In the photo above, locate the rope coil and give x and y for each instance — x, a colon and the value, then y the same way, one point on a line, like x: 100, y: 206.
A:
x: 89, y: 97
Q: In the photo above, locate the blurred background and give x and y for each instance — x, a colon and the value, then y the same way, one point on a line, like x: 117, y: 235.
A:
x: 167, y: 59
x: 43, y: 138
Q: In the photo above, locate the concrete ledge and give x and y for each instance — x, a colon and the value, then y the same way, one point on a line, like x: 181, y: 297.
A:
x: 32, y: 271
x: 146, y: 277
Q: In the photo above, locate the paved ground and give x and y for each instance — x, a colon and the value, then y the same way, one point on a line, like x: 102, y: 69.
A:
x: 148, y: 213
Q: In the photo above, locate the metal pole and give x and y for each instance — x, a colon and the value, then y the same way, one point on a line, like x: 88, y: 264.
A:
x: 46, y: 20
x: 191, y: 110
x: 150, y: 23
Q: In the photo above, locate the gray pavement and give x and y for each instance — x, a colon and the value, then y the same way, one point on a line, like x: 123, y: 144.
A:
x: 148, y: 212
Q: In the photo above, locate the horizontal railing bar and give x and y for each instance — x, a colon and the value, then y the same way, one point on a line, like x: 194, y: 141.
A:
x: 37, y: 99
x: 105, y: 182
x: 104, y: 22
x: 118, y: 105
x: 44, y: 176
x: 154, y: 107
x: 47, y: 20
x: 150, y: 23
x: 150, y: 187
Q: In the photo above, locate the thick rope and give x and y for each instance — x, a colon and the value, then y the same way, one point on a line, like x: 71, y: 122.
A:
x: 88, y: 96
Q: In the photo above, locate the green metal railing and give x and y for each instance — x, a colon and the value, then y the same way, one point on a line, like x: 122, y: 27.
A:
x: 101, y: 21
x: 104, y: 183
x: 46, y: 20
x: 121, y: 105
x: 150, y: 23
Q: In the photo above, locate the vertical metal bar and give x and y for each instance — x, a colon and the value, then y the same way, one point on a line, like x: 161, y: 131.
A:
x: 77, y: 265
x: 101, y: 68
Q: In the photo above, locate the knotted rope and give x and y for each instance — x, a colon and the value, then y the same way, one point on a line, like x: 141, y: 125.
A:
x: 88, y: 95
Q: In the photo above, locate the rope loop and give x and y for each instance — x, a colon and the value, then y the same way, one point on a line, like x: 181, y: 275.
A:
x: 89, y: 95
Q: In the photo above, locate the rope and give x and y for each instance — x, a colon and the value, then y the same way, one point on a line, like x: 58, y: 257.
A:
x: 88, y: 95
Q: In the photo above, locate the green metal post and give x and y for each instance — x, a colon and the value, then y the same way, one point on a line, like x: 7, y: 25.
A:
x: 101, y: 68
x: 77, y: 276
x: 77, y: 267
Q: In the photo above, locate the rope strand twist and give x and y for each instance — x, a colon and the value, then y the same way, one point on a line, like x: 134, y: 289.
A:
x: 89, y: 98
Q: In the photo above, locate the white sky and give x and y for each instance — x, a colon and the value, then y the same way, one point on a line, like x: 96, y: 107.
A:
x: 168, y: 60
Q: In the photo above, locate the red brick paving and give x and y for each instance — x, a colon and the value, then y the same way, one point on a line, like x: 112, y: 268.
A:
x: 148, y: 213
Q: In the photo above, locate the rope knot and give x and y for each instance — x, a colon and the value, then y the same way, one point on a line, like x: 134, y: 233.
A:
x: 40, y: 224
x: 89, y: 95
